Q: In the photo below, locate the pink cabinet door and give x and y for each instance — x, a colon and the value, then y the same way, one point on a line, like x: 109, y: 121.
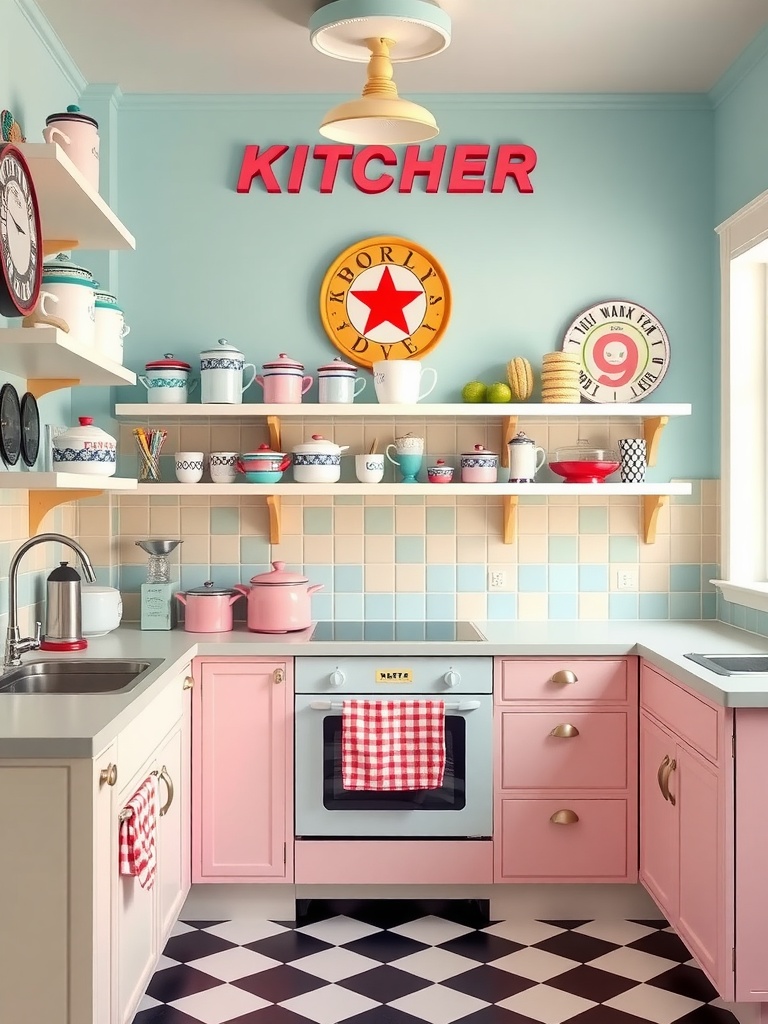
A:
x: 242, y: 810
x: 659, y: 841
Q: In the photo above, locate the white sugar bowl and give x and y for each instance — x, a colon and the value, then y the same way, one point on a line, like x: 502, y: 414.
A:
x: 317, y: 461
x: 85, y: 449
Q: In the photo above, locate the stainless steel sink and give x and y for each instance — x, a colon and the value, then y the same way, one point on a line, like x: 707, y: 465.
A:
x: 732, y: 664
x: 111, y: 675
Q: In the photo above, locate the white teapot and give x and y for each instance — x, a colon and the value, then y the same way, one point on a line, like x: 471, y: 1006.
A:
x: 525, y: 459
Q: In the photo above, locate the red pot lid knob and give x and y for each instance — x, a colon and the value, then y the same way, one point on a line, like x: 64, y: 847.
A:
x: 85, y: 421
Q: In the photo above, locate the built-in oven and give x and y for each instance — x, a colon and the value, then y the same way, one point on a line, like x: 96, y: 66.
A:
x: 461, y: 807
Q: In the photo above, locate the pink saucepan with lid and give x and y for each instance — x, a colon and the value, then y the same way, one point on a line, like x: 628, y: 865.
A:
x: 279, y: 601
x: 208, y: 609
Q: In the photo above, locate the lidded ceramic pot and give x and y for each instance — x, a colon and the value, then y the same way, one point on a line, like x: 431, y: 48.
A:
x: 209, y: 608
x: 167, y: 380
x: 525, y: 459
x: 479, y: 466
x: 72, y: 290
x: 78, y: 136
x: 284, y: 381
x: 279, y: 600
x: 110, y: 327
x: 337, y: 381
x: 221, y: 375
x: 85, y: 449
x: 317, y: 461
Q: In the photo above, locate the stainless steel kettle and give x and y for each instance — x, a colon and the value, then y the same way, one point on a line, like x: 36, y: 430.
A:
x: 63, y: 611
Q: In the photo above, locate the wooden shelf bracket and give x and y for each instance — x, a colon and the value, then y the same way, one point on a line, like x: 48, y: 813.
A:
x: 508, y: 518
x: 274, y: 504
x: 508, y: 431
x: 652, y: 428
x: 652, y: 505
x: 41, y: 503
x: 40, y: 386
x: 273, y: 425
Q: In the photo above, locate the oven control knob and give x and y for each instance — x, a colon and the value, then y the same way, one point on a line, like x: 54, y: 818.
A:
x: 451, y: 679
x: 337, y: 678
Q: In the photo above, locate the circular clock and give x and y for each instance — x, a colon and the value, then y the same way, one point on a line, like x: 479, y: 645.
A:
x: 21, y: 265
x: 30, y: 429
x: 385, y: 298
x: 10, y: 425
x: 624, y: 351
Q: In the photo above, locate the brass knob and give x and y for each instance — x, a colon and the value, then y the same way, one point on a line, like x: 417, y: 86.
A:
x: 565, y: 731
x: 189, y: 682
x: 278, y: 675
x: 108, y: 775
x: 564, y: 817
x: 163, y: 774
x: 564, y: 675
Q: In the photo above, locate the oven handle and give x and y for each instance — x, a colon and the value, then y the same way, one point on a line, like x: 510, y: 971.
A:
x: 331, y: 705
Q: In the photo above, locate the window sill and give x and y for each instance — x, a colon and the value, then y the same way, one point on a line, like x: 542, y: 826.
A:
x: 750, y: 595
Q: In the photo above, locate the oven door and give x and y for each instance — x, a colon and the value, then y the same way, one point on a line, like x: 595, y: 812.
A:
x: 462, y: 807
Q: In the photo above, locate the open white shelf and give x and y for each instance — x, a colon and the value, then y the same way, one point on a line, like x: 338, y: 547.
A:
x: 432, y: 490
x: 50, y: 356
x: 47, y: 490
x: 71, y: 210
x: 318, y: 410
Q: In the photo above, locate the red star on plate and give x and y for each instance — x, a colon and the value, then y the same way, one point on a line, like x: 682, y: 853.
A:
x: 386, y: 304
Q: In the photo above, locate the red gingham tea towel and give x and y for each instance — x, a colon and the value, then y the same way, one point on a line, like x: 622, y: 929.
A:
x: 392, y: 744
x: 137, y: 834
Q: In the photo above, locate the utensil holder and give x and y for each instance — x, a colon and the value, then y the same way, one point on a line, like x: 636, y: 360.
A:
x: 149, y: 444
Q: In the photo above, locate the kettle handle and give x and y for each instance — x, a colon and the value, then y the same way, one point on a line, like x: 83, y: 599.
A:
x: 315, y: 587
x: 181, y: 597
x: 306, y: 384
x: 242, y: 589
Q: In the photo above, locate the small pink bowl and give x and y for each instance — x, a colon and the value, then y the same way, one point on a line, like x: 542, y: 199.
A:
x: 440, y: 474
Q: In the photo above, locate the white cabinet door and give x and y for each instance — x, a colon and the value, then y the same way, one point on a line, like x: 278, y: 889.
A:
x: 173, y: 865
x: 105, y: 868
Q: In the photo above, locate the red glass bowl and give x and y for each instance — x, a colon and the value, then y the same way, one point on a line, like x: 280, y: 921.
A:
x: 584, y: 471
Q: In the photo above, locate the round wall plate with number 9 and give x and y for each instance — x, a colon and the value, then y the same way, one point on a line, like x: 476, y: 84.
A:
x: 624, y: 351
x: 21, y: 264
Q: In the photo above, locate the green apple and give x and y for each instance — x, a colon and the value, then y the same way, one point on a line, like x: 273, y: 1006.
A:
x: 475, y: 391
x: 499, y: 392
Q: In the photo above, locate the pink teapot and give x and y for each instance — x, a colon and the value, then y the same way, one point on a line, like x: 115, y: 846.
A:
x: 284, y: 381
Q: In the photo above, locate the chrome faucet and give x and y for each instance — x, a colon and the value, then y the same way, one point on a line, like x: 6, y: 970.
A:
x: 15, y: 646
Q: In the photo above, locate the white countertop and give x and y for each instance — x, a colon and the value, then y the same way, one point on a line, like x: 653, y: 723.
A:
x: 53, y: 725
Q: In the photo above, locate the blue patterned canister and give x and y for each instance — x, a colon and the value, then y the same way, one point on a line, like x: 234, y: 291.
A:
x: 221, y: 375
x: 85, y: 449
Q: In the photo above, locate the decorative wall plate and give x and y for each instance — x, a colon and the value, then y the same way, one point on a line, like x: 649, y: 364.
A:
x: 10, y: 425
x: 30, y: 429
x: 10, y: 129
x: 385, y: 298
x: 624, y: 351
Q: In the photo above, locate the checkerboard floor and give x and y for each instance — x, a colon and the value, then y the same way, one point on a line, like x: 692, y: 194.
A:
x: 387, y: 964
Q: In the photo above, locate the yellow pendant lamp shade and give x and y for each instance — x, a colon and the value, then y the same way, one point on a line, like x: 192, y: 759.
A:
x: 380, y: 117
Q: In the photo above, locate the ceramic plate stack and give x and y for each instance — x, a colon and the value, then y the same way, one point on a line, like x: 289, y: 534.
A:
x: 560, y: 377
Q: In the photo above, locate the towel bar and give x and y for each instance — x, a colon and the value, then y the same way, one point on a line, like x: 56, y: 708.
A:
x: 163, y: 774
x: 329, y: 705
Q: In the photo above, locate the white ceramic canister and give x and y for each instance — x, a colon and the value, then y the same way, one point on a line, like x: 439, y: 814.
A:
x: 317, y: 461
x: 102, y: 609
x: 221, y: 375
x: 78, y: 136
x: 479, y: 466
x: 110, y: 326
x: 525, y: 459
x: 85, y: 449
x: 167, y: 380
x: 283, y: 381
x: 74, y: 290
x: 337, y: 381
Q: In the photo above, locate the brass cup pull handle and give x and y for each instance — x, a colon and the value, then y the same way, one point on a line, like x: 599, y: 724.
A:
x: 169, y: 783
x: 564, y: 675
x: 660, y: 776
x: 279, y: 675
x: 189, y: 682
x: 667, y: 771
x: 565, y: 731
x: 564, y: 817
x: 108, y: 775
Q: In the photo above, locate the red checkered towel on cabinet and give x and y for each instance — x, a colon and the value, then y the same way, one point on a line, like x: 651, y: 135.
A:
x: 137, y: 834
x: 392, y: 744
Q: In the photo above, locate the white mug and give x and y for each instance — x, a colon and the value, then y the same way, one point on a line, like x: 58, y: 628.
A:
x: 398, y: 381
x: 189, y: 466
x: 369, y: 469
x: 222, y: 467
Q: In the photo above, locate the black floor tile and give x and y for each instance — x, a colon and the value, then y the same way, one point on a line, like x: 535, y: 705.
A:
x: 288, y: 946
x: 665, y: 944
x: 568, y: 924
x: 591, y: 983
x: 577, y: 946
x: 686, y: 981
x: 168, y: 1015
x: 385, y: 946
x: 267, y: 1015
x: 488, y: 983
x: 606, y: 1015
x: 496, y: 1015
x: 193, y: 945
x: 203, y: 924
x: 177, y: 982
x: 657, y: 922
x: 382, y: 1015
x: 481, y: 946
x: 708, y: 1015
x: 279, y: 983
x: 384, y: 984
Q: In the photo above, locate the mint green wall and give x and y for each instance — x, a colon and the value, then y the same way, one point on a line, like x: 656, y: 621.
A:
x: 623, y: 208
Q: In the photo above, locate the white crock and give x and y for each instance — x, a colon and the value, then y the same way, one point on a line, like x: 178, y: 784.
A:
x: 221, y: 375
x: 110, y: 326
x: 317, y: 461
x: 78, y: 136
x: 73, y: 289
x: 85, y: 449
x: 102, y: 609
x: 337, y: 381
x: 167, y: 381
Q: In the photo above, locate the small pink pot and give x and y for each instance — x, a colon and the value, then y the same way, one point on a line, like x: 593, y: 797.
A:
x: 479, y: 466
x: 279, y: 601
x: 283, y: 381
x: 208, y: 609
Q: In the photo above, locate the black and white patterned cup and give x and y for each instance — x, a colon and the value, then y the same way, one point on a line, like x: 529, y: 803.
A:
x: 632, y: 455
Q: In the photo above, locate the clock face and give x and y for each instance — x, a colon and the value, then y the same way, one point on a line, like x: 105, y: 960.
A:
x: 624, y: 351
x: 385, y: 298
x: 20, y: 241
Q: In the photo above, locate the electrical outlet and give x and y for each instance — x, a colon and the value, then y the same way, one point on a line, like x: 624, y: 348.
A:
x: 497, y: 579
x: 626, y: 579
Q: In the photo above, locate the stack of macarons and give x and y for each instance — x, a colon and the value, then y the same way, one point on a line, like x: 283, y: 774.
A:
x: 560, y: 377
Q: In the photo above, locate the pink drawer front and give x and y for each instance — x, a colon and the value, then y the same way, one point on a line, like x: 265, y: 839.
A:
x: 545, y: 679
x: 687, y: 714
x: 387, y: 862
x: 530, y: 847
x: 589, y: 750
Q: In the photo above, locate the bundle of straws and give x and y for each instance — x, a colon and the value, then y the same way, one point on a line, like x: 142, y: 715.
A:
x: 149, y: 443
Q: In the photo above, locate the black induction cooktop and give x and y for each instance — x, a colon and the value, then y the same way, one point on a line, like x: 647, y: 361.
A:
x: 436, y: 631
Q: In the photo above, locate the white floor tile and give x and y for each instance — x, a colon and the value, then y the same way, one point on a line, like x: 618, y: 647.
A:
x: 548, y: 1005
x: 536, y: 964
x: 147, y: 1002
x: 620, y: 932
x: 245, y: 930
x: 438, y: 1005
x: 432, y: 930
x: 338, y: 930
x: 180, y: 928
x: 653, y: 1004
x: 219, y: 1004
x: 632, y: 963
x: 434, y: 964
x: 165, y: 962
x: 335, y: 964
x: 231, y: 964
x: 329, y: 1005
x: 526, y: 932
